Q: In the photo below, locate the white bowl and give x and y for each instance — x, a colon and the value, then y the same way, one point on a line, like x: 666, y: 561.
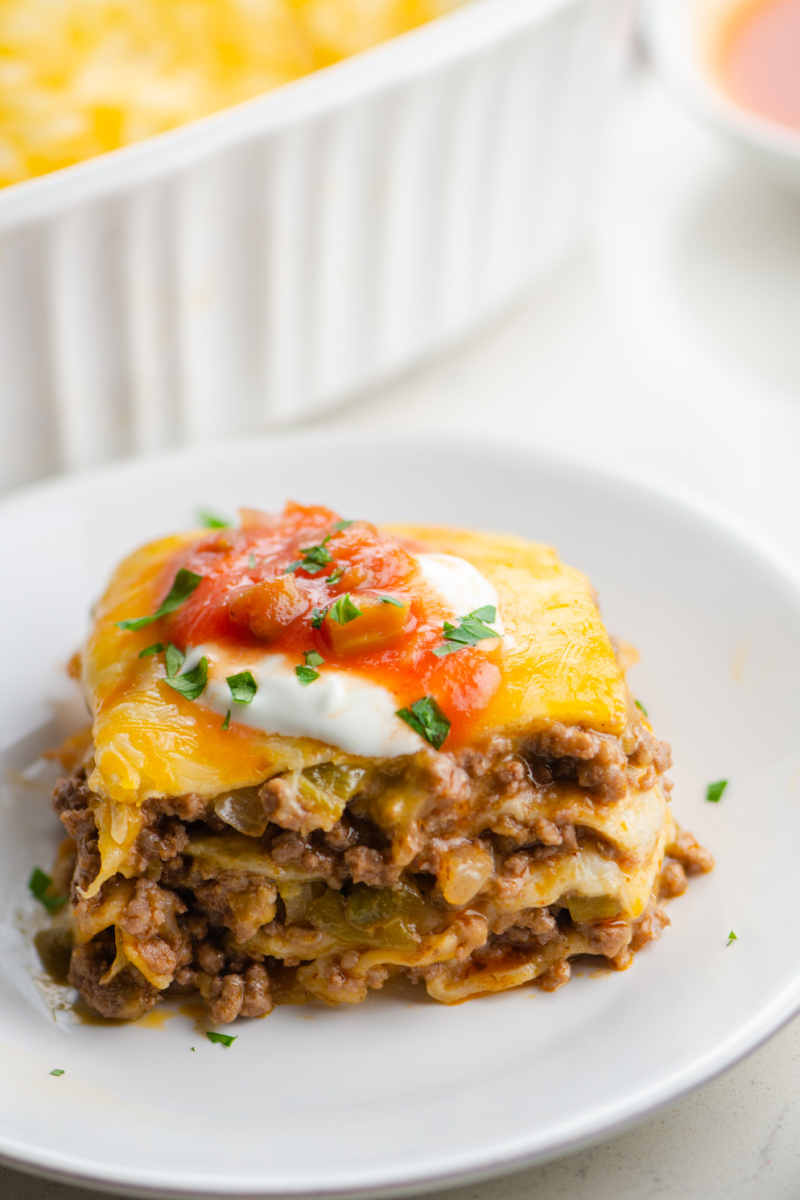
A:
x: 399, y: 1093
x: 263, y: 264
x: 680, y: 35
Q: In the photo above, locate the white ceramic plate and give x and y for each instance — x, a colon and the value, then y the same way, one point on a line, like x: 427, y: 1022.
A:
x: 401, y: 1093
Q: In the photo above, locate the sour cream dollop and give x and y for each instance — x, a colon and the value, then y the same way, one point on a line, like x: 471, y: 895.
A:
x: 341, y: 707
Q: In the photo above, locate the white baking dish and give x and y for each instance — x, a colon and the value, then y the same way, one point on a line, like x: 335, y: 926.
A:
x: 261, y: 265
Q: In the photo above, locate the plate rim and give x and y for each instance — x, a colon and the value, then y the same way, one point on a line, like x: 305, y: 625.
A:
x: 520, y: 1152
x: 436, y: 1181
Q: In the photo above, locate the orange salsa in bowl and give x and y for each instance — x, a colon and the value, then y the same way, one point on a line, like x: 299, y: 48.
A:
x: 759, y: 59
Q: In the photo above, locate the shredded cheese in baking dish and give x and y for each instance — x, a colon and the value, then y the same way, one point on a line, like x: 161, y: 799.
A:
x: 80, y: 77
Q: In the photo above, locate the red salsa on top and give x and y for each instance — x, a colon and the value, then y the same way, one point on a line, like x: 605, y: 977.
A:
x: 330, y: 592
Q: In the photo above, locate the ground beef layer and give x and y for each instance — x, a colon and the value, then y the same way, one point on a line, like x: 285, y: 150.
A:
x: 414, y: 873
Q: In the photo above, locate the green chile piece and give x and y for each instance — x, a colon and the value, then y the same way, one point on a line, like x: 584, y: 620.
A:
x: 397, y: 806
x: 327, y: 787
x: 377, y: 906
x: 367, y: 917
x: 297, y: 897
x: 592, y: 908
x: 243, y: 810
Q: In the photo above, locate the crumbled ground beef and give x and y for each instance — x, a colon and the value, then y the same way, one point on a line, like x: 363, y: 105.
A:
x: 238, y: 901
x: 284, y: 806
x: 648, y: 928
x: 126, y: 996
x: 693, y: 857
x: 80, y: 825
x: 293, y: 849
x: 607, y: 937
x: 370, y: 867
x: 342, y: 836
x: 224, y: 995
x: 71, y: 802
x: 151, y: 918
x: 197, y: 930
x: 556, y: 976
x: 531, y: 927
x: 673, y: 881
x: 233, y: 995
x: 162, y: 839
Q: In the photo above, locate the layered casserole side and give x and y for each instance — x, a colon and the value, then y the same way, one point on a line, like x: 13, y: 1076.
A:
x: 324, y: 755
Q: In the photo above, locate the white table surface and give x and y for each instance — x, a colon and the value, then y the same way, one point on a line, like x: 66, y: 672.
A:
x: 670, y: 343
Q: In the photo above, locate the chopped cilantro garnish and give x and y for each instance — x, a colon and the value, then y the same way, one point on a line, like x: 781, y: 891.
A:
x: 57, y: 1071
x: 210, y: 521
x: 224, y: 1039
x: 40, y: 884
x: 192, y: 1049
x: 641, y: 708
x: 183, y: 585
x: 156, y: 648
x: 226, y: 724
x: 340, y: 525
x: 427, y: 719
x: 731, y: 938
x: 714, y: 790
x: 317, y: 616
x: 336, y: 576
x: 312, y: 658
x: 343, y: 609
x: 192, y: 684
x: 243, y: 686
x: 471, y: 629
x: 314, y: 560
x: 251, y: 562
x: 174, y: 659
x: 306, y: 675
x: 392, y: 600
x: 134, y: 623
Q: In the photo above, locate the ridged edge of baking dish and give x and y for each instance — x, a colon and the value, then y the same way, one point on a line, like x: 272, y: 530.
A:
x: 265, y: 264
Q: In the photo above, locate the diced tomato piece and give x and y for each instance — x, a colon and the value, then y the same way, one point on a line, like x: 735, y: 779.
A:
x: 268, y: 607
x: 378, y: 625
x: 465, y: 681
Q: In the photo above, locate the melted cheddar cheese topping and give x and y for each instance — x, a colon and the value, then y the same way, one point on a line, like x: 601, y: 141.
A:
x: 256, y: 598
